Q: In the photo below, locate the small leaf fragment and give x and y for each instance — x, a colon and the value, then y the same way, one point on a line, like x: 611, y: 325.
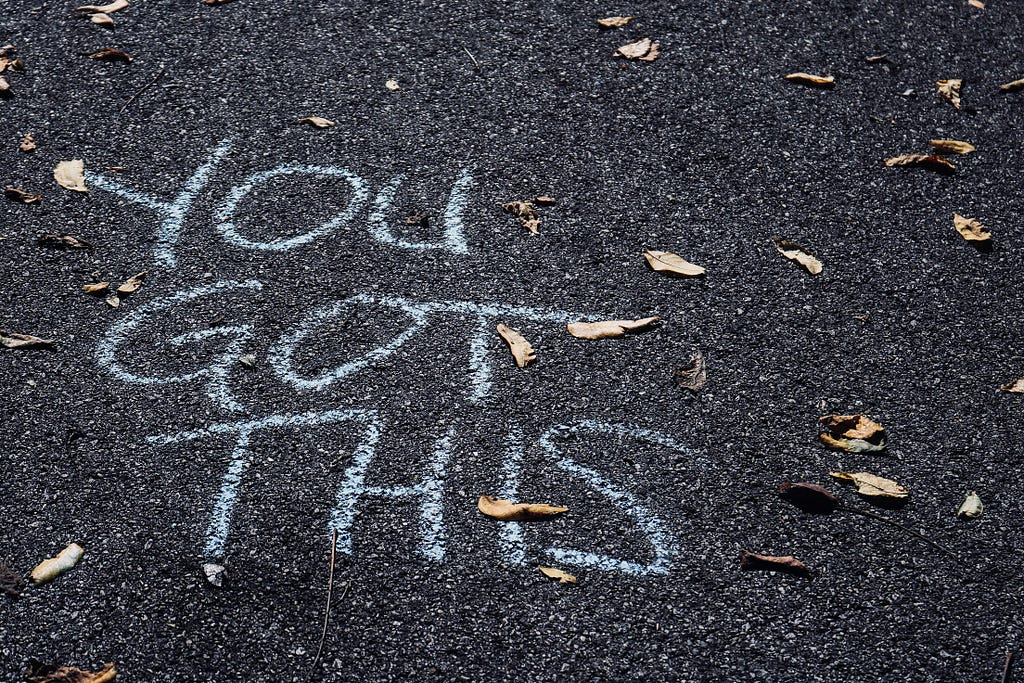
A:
x: 63, y: 242
x: 978, y: 4
x: 71, y: 175
x: 809, y: 497
x: 115, y: 6
x: 317, y: 122
x: 610, y: 328
x: 1014, y: 387
x: 952, y: 147
x: 520, y: 348
x: 28, y: 143
x: 671, y: 264
x: 871, y: 485
x: 16, y: 194
x: 932, y: 162
x: 950, y: 89
x: 1013, y: 86
x: 614, y: 22
x: 644, y: 50
x: 544, y: 200
x: 11, y: 582
x: 113, y: 301
x: 694, y: 376
x: 38, y: 672
x: 507, y: 511
x: 216, y: 2
x: 248, y: 360
x: 552, y: 573
x: 51, y: 568
x: 5, y: 87
x: 13, y: 340
x: 391, y: 84
x: 971, y: 508
x: 95, y: 287
x: 794, y: 252
x: 526, y: 212
x: 215, y: 574
x: 111, y: 54
x: 970, y: 229
x: 132, y: 284
x: 852, y: 433
x: 101, y: 19
x: 811, y: 79
x: 778, y: 563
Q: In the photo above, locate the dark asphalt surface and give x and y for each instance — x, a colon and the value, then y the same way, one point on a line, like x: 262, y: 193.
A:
x: 707, y: 152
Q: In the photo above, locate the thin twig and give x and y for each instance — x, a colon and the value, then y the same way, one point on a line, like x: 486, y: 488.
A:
x: 1008, y: 666
x: 476, y: 64
x: 330, y: 590
x: 144, y: 88
x: 927, y: 540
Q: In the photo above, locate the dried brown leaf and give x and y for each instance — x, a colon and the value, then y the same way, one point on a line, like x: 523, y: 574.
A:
x: 110, y: 54
x: 115, y: 6
x: 114, y: 301
x: 544, y: 200
x: 132, y: 284
x: 610, y: 328
x: 671, y: 264
x: 28, y: 143
x: 952, y: 147
x: 852, y: 433
x: 932, y: 162
x: 694, y: 376
x: 13, y: 340
x: 552, y: 573
x: 876, y: 59
x: 51, y: 673
x: 71, y: 175
x: 49, y: 569
x: 507, y: 511
x: 1014, y: 387
x: 317, y: 122
x: 521, y: 349
x: 811, y: 79
x: 96, y: 287
x: 970, y: 229
x: 778, y: 563
x: 871, y: 485
x: 11, y: 582
x: 794, y: 252
x: 614, y: 22
x: 809, y: 497
x: 1013, y: 86
x: 976, y: 4
x: 526, y: 212
x: 63, y: 242
x: 101, y: 19
x: 950, y: 89
x: 5, y: 87
x: 644, y: 50
x: 16, y: 194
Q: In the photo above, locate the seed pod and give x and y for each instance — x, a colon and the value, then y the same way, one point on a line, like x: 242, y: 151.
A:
x: 809, y: 497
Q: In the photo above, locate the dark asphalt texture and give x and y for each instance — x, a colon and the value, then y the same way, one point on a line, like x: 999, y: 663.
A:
x: 707, y: 152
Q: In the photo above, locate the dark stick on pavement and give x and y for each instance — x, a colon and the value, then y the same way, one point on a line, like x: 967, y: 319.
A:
x: 924, y: 538
x: 144, y: 88
x: 330, y: 590
x: 1008, y: 667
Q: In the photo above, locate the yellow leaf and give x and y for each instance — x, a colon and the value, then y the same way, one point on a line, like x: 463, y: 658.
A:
x: 614, y: 22
x: 811, y: 79
x: 852, y: 433
x: 115, y: 6
x: 553, y: 573
x: 521, y: 349
x: 671, y: 264
x: 950, y: 89
x: 971, y: 508
x: 1013, y: 86
x: 952, y: 147
x: 507, y: 511
x: 51, y: 568
x: 71, y: 175
x: 871, y: 485
x: 317, y: 122
x: 932, y: 162
x: 794, y: 252
x: 609, y: 328
x: 970, y: 229
x: 644, y: 50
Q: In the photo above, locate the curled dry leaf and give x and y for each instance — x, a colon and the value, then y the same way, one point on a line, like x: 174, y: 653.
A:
x: 950, y: 89
x: 694, y: 376
x: 96, y: 287
x: 517, y: 344
x: 51, y: 568
x: 13, y: 340
x: 614, y: 22
x: 1014, y: 387
x: 391, y: 84
x: 978, y: 4
x: 317, y: 122
x: 215, y: 574
x: 507, y: 511
x: 526, y: 212
x: 28, y: 143
x: 644, y: 50
x: 110, y: 54
x: 38, y: 672
x: 71, y: 175
x: 115, y: 6
x: 11, y: 582
x: 871, y: 485
x: 63, y: 242
x: 811, y: 79
x: 932, y: 162
x: 970, y: 229
x: 101, y: 19
x: 1013, y: 86
x: 794, y: 252
x: 132, y: 284
x: 671, y: 264
x: 552, y: 573
x: 852, y: 433
x: 544, y: 200
x: 16, y: 194
x: 610, y: 328
x: 971, y: 508
x: 952, y: 147
x: 777, y: 563
x: 809, y: 497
